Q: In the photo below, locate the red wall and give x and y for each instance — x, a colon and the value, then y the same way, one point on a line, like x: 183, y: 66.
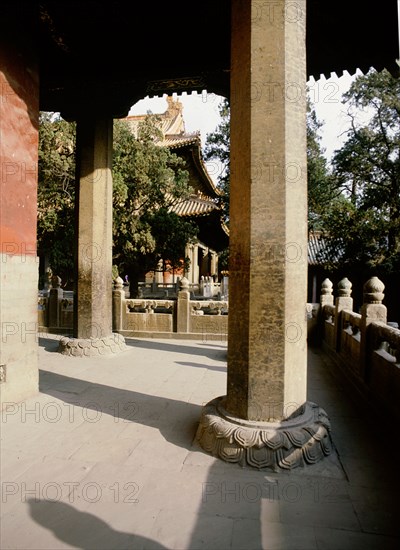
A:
x: 19, y: 111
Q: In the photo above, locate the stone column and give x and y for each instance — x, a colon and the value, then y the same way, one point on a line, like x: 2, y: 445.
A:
x: 93, y: 259
x: 265, y: 420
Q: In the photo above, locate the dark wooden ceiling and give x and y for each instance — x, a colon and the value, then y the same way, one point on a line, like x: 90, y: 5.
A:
x: 98, y: 55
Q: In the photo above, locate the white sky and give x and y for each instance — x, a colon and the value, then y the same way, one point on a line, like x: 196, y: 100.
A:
x: 326, y: 95
x: 200, y: 111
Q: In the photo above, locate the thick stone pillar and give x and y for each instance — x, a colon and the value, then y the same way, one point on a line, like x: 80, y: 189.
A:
x: 265, y: 419
x: 93, y: 260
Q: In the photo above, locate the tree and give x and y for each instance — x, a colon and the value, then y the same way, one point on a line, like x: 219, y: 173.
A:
x: 56, y: 192
x: 171, y: 234
x: 364, y: 225
x: 321, y: 189
x: 146, y: 178
x: 217, y: 147
x: 320, y: 182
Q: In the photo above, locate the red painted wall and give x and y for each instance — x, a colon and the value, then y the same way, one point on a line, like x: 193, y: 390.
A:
x: 19, y: 112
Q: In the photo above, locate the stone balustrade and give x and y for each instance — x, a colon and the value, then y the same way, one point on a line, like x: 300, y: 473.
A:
x: 205, y: 289
x: 363, y: 345
x: 182, y: 317
x: 55, y: 309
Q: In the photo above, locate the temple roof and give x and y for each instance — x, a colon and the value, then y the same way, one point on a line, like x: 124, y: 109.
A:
x: 194, y: 205
x: 186, y: 145
x: 171, y: 121
x: 201, y: 205
x: 319, y: 252
x: 316, y: 249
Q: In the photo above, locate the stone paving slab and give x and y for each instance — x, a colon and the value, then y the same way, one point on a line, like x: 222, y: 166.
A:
x: 104, y: 457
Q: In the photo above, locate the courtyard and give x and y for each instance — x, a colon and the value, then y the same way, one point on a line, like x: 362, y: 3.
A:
x: 105, y: 457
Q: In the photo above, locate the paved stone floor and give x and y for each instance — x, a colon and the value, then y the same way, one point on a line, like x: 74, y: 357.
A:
x: 104, y: 458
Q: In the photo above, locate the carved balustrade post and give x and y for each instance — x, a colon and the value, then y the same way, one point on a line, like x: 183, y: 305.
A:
x: 183, y: 306
x: 55, y: 296
x: 344, y: 301
x: 326, y: 299
x: 372, y: 310
x: 118, y: 302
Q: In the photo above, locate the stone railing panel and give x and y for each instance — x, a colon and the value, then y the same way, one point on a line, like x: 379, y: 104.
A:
x: 209, y: 317
x: 66, y: 306
x: 141, y: 315
x: 385, y: 340
x: 147, y: 322
x: 384, y: 367
x: 364, y: 346
x: 139, y: 305
x: 350, y: 340
x: 328, y: 329
x: 42, y: 312
x: 209, y: 307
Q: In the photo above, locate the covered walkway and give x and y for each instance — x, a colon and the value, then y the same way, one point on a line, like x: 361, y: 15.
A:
x: 104, y: 457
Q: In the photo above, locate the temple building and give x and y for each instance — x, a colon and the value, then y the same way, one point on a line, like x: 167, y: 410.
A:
x: 201, y: 206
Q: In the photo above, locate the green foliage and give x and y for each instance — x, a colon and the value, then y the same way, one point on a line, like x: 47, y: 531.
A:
x: 217, y: 147
x: 321, y: 189
x: 147, y: 179
x: 171, y: 234
x: 364, y: 227
x: 320, y: 183
x: 56, y: 192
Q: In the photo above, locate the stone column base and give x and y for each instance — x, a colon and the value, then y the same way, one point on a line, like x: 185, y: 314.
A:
x: 278, y: 446
x: 90, y: 347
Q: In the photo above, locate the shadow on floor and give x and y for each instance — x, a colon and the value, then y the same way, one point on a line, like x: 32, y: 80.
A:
x: 174, y: 419
x: 83, y: 530
x: 217, y: 354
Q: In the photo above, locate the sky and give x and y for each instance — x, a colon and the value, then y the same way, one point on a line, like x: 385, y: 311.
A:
x: 326, y: 96
x: 200, y: 112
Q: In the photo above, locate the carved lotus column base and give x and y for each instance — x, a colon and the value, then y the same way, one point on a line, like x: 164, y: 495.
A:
x: 91, y: 347
x: 278, y: 446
